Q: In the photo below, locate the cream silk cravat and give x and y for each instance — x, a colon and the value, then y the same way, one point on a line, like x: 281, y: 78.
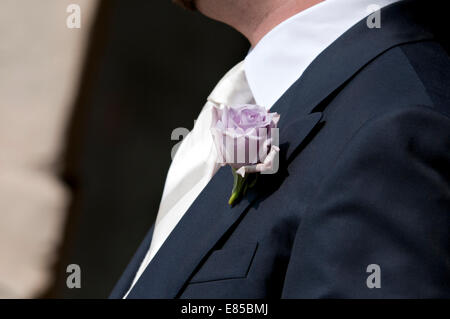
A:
x: 195, y: 161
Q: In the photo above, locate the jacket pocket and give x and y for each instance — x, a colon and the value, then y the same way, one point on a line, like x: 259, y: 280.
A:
x: 227, y: 263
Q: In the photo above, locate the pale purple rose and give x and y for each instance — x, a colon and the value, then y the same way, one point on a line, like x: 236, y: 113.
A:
x: 244, y: 137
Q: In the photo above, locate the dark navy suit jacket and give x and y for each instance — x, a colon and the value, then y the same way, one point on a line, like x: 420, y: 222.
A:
x: 364, y: 179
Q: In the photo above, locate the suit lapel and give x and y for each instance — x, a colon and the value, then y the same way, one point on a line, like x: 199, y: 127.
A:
x: 335, y: 66
x: 350, y: 53
x: 206, y: 221
x: 210, y: 218
x: 122, y: 286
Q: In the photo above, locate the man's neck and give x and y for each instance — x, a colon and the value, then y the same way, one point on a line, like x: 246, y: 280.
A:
x: 281, y: 11
x: 253, y: 18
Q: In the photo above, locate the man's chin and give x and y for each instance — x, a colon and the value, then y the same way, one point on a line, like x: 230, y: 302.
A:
x: 187, y: 4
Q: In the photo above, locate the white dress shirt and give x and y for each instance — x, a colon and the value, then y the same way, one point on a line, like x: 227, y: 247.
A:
x: 270, y: 68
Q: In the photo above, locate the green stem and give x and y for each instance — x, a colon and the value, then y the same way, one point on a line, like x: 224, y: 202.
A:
x: 238, y: 185
x: 233, y: 198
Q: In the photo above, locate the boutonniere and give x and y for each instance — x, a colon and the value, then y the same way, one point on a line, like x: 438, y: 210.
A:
x: 244, y: 139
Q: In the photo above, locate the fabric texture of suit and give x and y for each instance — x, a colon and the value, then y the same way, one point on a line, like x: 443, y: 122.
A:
x: 364, y: 179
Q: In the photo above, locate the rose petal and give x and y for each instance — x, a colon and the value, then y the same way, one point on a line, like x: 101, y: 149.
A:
x: 267, y: 165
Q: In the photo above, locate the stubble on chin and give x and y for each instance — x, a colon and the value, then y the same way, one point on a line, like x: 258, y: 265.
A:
x: 187, y: 4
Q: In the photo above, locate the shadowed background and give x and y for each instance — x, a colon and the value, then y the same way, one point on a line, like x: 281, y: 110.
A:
x: 86, y: 120
x: 149, y: 69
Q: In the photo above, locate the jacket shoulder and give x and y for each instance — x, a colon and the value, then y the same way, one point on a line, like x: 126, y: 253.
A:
x: 431, y: 65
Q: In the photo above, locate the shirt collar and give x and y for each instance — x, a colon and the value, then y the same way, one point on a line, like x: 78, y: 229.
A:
x: 283, y: 54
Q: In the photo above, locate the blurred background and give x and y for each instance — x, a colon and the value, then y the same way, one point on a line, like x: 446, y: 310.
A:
x: 86, y: 116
